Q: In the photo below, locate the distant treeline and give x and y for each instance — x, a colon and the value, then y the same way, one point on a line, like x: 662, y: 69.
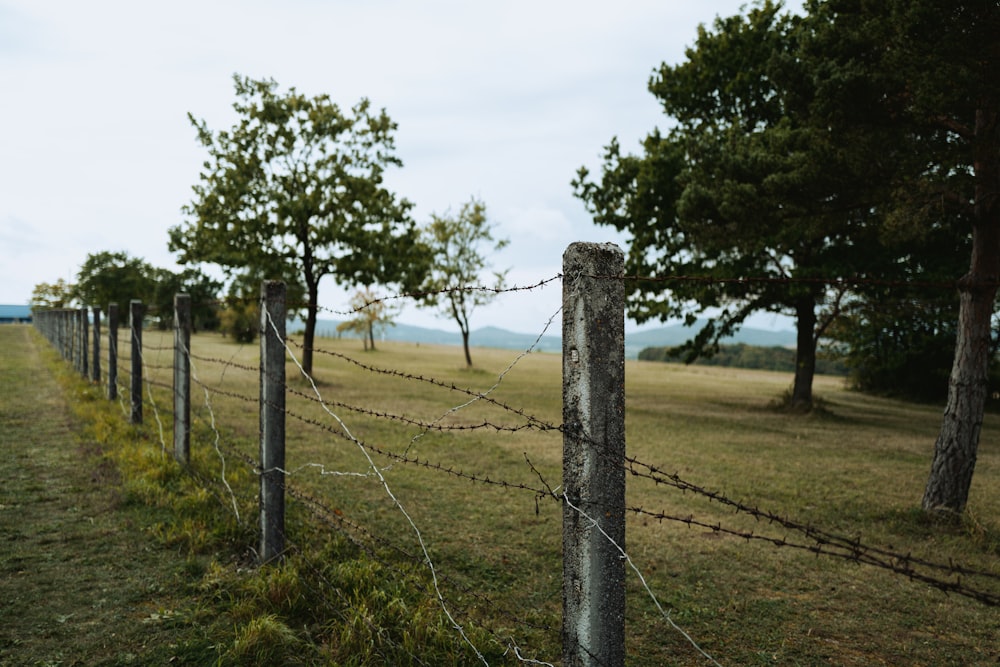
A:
x: 742, y: 355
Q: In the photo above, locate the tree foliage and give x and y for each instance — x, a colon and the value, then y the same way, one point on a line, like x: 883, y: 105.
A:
x: 115, y: 277
x: 295, y: 191
x: 203, y: 290
x: 749, y: 202
x: 52, y: 295
x: 455, y: 283
x: 932, y: 68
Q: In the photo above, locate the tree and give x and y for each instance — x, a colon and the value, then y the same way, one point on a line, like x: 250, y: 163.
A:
x: 295, y: 190
x: 52, y: 295
x: 749, y: 203
x: 898, y: 337
x: 933, y: 68
x: 203, y: 290
x: 372, y: 314
x: 453, y: 284
x: 115, y: 277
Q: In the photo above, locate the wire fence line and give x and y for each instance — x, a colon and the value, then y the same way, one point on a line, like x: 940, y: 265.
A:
x: 63, y: 330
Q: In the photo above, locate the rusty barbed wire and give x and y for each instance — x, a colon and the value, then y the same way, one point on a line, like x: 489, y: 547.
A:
x: 424, y: 425
x: 855, y: 552
x: 415, y: 461
x: 450, y: 386
x: 420, y: 295
x: 826, y: 543
x: 227, y: 363
x: 842, y: 282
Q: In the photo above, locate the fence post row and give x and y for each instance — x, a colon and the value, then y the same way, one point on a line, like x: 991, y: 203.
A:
x: 593, y: 631
x: 112, y: 351
x: 135, y: 325
x: 272, y: 420
x: 182, y: 378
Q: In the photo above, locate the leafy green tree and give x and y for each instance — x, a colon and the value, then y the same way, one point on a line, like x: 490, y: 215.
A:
x: 749, y: 203
x: 115, y: 277
x: 52, y: 295
x: 898, y: 335
x: 458, y: 266
x: 932, y: 68
x: 203, y: 290
x: 295, y: 190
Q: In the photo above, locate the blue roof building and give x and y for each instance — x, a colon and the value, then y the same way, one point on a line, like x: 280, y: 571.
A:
x: 14, y: 314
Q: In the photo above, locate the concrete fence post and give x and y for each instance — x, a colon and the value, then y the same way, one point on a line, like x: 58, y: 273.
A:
x: 135, y: 326
x: 182, y: 378
x: 84, y: 343
x: 112, y: 351
x: 272, y: 420
x: 593, y: 631
x: 95, y: 366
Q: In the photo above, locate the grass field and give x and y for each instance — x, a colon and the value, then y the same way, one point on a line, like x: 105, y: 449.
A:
x: 856, y: 467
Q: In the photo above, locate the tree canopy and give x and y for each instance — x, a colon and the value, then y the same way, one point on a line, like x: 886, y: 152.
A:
x: 932, y: 68
x: 295, y: 191
x: 813, y: 160
x: 748, y: 202
x: 114, y: 277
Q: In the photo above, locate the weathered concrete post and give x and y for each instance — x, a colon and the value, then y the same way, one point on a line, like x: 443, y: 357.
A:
x: 84, y: 343
x: 135, y: 326
x: 593, y: 630
x: 182, y: 378
x: 272, y: 420
x: 112, y: 351
x: 95, y: 366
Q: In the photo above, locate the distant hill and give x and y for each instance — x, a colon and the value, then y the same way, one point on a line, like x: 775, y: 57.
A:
x: 552, y: 342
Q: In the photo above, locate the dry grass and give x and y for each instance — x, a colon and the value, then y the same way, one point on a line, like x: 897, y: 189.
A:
x: 857, y: 468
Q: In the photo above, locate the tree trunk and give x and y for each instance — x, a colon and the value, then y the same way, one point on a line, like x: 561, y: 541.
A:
x: 948, y: 486
x: 954, y: 460
x: 309, y: 335
x: 465, y: 344
x: 371, y: 334
x: 805, y: 355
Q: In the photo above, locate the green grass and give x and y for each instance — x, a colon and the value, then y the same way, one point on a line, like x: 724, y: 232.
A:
x: 856, y: 468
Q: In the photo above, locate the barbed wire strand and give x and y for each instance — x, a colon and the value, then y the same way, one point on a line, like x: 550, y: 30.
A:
x: 485, y: 394
x: 216, y: 435
x: 152, y: 400
x: 392, y: 496
x: 649, y: 591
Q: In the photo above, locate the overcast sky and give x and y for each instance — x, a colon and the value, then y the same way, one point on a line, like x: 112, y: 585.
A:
x: 503, y: 101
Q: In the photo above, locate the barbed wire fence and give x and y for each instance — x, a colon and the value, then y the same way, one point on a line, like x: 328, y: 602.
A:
x: 599, y: 527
